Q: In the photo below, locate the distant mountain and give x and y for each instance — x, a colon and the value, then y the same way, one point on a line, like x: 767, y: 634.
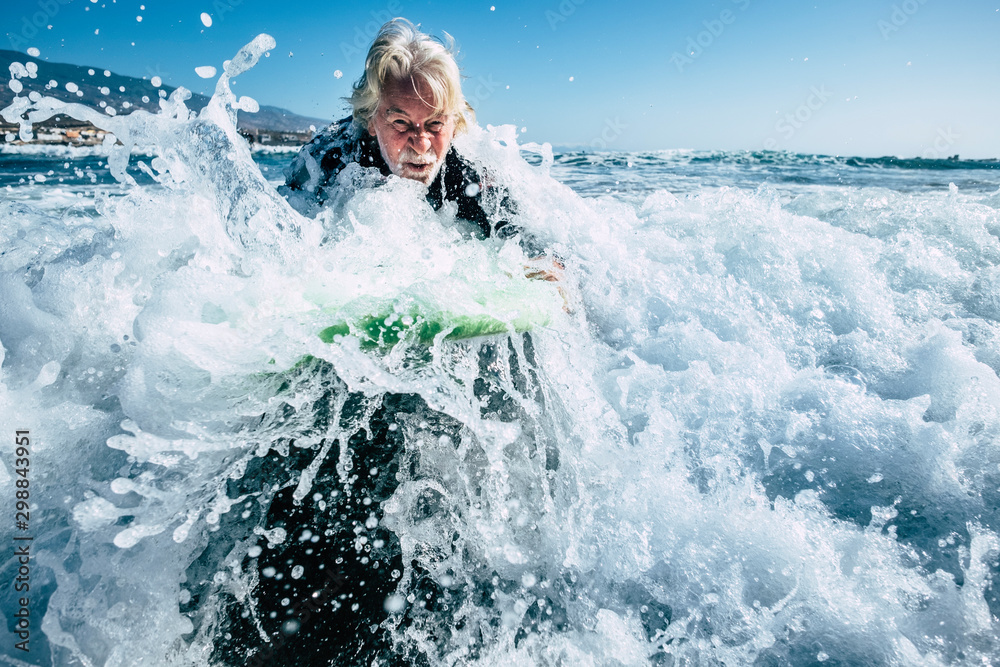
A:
x: 93, y: 85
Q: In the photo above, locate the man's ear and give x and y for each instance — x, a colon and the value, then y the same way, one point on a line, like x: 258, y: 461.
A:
x: 371, y: 128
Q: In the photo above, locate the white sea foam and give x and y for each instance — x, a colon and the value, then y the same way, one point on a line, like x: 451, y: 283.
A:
x: 767, y: 432
x: 63, y: 150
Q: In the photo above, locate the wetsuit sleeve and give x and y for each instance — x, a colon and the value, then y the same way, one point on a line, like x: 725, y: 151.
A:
x: 480, y: 200
x: 319, y: 161
x: 505, y: 209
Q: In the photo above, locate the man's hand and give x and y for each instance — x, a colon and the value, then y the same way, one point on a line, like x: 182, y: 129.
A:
x: 544, y: 267
x: 549, y: 269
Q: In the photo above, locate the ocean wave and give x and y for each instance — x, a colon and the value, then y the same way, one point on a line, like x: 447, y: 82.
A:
x: 686, y: 157
x: 764, y: 433
x: 64, y: 151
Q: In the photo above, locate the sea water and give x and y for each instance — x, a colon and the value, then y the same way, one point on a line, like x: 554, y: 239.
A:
x: 767, y: 430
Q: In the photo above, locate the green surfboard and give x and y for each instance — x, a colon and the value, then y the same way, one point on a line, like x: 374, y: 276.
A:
x: 382, y: 323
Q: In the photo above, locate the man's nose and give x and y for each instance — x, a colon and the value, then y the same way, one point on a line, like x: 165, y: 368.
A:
x: 420, y: 141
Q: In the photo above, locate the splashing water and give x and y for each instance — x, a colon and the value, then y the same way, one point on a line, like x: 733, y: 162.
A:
x: 767, y: 433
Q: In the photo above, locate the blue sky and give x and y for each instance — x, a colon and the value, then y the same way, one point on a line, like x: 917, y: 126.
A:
x: 854, y: 77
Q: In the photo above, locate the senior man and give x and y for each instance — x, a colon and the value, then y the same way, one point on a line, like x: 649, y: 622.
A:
x: 407, y: 108
x: 320, y: 591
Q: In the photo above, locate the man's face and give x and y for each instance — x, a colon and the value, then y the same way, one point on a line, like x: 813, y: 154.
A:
x: 413, y: 136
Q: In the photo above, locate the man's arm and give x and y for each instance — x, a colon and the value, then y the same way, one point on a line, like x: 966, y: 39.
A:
x: 317, y: 164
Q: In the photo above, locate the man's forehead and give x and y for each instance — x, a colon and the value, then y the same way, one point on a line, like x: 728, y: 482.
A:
x: 416, y: 111
x: 393, y: 109
x: 402, y: 97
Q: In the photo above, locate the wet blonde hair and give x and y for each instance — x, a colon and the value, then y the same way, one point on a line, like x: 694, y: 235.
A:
x: 400, y: 52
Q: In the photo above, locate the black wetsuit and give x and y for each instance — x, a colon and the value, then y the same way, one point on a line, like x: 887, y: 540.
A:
x: 320, y: 593
x: 313, y: 173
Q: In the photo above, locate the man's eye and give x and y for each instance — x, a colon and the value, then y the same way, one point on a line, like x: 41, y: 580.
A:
x: 435, y: 126
x: 401, y: 125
